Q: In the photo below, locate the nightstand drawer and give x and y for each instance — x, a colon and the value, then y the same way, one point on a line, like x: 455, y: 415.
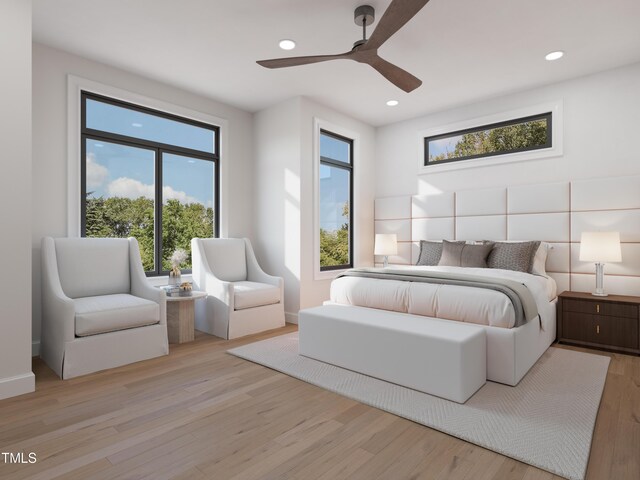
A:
x: 600, y: 308
x: 600, y: 329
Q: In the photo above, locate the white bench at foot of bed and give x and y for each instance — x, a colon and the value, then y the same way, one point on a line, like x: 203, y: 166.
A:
x: 439, y: 357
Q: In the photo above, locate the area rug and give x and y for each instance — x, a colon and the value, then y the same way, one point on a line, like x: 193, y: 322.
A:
x: 547, y: 420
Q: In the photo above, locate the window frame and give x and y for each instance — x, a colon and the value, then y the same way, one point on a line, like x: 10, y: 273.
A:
x: 484, y: 117
x: 548, y: 116
x: 159, y: 148
x: 344, y: 166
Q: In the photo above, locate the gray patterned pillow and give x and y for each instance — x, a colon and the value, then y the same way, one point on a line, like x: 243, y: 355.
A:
x: 513, y: 256
x: 462, y: 254
x: 430, y: 253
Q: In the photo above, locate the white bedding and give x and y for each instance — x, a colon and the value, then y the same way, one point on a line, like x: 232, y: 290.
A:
x: 452, y: 302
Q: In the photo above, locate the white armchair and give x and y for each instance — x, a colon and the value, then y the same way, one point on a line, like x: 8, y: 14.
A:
x: 98, y: 310
x: 242, y: 299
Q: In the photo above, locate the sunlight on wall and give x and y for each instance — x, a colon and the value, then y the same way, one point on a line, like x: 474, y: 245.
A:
x: 425, y: 188
x: 292, y: 222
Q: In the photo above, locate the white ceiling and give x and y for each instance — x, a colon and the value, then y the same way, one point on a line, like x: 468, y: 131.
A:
x: 463, y: 50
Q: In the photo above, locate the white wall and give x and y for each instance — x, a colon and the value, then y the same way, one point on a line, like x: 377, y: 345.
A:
x: 50, y: 70
x: 276, y: 181
x: 16, y: 377
x: 601, y: 119
x: 284, y: 204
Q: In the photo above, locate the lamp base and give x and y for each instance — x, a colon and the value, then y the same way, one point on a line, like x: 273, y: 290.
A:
x: 596, y: 294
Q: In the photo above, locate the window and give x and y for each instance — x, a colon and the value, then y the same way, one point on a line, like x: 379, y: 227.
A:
x: 519, y: 135
x: 336, y: 201
x: 149, y: 175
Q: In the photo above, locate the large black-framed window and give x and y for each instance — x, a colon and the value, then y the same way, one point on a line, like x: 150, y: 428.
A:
x: 512, y: 136
x: 148, y: 174
x: 336, y: 201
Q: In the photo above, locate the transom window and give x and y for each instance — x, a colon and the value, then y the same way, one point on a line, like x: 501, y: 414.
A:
x: 150, y: 175
x: 336, y: 201
x: 512, y: 136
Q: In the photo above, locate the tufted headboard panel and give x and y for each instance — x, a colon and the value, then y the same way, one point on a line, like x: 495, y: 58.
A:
x: 556, y: 213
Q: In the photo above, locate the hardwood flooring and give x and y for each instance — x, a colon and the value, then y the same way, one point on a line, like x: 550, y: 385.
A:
x: 200, y: 413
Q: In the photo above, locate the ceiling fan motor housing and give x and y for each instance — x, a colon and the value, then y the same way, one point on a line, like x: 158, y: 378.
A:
x: 364, y: 15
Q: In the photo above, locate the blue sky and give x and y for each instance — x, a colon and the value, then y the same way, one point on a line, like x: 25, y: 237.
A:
x: 119, y: 170
x: 125, y: 171
x: 111, y: 118
x: 444, y: 145
x: 334, y: 183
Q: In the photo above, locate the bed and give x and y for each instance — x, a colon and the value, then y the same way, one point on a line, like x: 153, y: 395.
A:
x: 555, y: 213
x: 512, y: 349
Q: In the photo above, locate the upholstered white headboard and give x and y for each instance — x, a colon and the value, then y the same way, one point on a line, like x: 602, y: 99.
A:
x: 557, y: 213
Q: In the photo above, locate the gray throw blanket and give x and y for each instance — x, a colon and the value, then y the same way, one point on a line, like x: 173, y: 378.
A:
x: 524, y: 305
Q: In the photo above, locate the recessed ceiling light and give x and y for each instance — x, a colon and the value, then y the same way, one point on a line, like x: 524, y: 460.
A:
x: 135, y: 124
x: 554, y: 55
x: 392, y: 103
x: 287, y: 44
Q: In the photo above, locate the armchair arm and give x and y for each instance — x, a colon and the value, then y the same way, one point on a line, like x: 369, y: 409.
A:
x: 140, y: 287
x: 220, y: 289
x: 255, y: 272
x: 58, y: 310
x: 205, y: 280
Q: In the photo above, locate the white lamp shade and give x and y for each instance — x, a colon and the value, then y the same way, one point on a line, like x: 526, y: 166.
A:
x: 600, y: 247
x: 386, y: 244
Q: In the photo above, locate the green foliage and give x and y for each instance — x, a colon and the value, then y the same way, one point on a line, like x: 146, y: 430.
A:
x: 124, y: 217
x: 181, y: 223
x: 334, y: 245
x: 502, y: 139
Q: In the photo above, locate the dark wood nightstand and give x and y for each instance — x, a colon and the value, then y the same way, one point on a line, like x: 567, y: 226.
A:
x: 611, y: 322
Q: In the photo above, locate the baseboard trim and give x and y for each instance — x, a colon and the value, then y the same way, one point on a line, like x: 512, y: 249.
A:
x: 18, y: 385
x: 35, y: 348
x: 291, y: 317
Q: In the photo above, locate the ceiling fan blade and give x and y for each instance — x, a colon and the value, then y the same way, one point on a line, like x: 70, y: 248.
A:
x: 396, y: 75
x: 295, y: 61
x: 397, y: 14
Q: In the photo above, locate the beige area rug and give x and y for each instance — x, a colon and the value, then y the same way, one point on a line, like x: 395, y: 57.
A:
x: 547, y: 420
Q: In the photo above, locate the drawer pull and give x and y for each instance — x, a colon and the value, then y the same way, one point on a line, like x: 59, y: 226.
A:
x: 598, y: 329
x: 598, y: 308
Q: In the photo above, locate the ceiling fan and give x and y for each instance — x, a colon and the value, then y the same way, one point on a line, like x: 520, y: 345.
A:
x: 395, y: 17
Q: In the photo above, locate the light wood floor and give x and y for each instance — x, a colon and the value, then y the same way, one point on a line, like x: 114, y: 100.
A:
x: 201, y: 413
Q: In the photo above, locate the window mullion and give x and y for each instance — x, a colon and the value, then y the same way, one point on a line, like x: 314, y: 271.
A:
x: 158, y: 211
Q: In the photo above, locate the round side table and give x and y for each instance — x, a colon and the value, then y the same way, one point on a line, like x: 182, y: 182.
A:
x: 181, y: 317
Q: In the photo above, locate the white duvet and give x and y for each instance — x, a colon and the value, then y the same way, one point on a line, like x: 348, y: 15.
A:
x: 452, y: 302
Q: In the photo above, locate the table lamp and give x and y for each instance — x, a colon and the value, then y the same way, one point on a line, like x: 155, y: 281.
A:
x: 600, y: 247
x: 386, y: 244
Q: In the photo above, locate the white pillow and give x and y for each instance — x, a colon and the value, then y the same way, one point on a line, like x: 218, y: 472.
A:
x: 540, y: 259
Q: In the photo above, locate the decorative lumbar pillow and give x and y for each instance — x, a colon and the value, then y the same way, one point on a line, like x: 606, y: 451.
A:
x: 430, y: 253
x: 461, y: 254
x: 513, y: 256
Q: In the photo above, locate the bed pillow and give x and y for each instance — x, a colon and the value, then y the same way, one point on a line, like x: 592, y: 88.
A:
x: 430, y: 253
x: 539, y: 266
x: 513, y: 256
x: 461, y: 254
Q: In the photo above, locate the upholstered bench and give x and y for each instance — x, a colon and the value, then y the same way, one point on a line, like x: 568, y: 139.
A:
x: 440, y: 357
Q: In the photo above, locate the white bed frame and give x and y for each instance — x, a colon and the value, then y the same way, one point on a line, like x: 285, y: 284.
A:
x: 557, y: 213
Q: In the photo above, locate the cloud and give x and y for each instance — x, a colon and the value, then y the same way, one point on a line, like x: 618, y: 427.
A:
x: 96, y: 173
x: 131, y: 188
x: 170, y: 194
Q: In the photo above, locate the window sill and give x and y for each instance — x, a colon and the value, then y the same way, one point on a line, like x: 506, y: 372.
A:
x: 328, y: 274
